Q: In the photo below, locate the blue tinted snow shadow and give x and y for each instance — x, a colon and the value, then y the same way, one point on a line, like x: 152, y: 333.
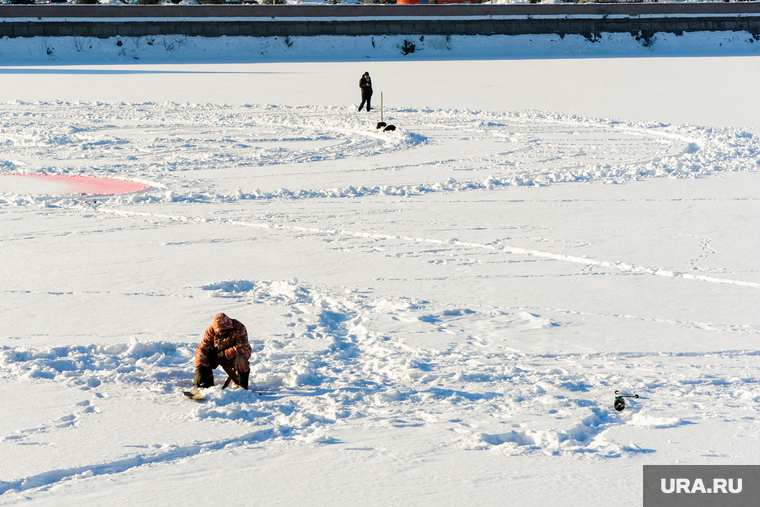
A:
x: 63, y: 68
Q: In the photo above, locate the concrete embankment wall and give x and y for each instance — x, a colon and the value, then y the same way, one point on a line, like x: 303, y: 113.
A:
x: 305, y: 20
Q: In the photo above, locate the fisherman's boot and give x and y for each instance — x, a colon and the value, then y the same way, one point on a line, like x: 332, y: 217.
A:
x: 243, y: 377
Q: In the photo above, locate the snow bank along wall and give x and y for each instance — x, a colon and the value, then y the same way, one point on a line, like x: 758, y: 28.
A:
x: 303, y: 20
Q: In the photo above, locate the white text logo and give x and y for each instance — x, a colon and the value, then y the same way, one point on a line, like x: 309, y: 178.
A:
x: 686, y: 486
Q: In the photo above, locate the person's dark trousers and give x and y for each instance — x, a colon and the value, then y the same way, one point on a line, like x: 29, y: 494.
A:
x: 204, y: 375
x: 366, y: 97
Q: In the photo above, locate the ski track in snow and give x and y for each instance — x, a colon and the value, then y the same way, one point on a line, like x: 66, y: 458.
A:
x: 172, y: 453
x: 619, y: 266
x: 346, y: 360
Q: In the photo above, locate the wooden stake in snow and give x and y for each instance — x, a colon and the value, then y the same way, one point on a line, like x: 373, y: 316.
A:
x: 387, y: 128
x: 381, y: 124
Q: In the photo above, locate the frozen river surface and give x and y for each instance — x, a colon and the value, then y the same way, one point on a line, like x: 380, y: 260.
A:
x: 440, y: 315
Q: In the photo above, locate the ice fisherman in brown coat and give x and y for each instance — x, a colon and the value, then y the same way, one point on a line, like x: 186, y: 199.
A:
x: 224, y: 344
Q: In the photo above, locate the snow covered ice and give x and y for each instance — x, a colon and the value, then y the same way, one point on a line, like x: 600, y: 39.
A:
x: 439, y: 315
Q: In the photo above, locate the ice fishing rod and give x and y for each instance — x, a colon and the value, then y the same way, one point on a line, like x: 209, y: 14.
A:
x: 620, y: 399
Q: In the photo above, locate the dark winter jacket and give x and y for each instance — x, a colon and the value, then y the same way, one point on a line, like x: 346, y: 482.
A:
x: 366, y: 86
x: 224, y: 335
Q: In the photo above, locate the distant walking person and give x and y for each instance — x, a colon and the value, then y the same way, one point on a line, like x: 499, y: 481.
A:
x: 365, y: 85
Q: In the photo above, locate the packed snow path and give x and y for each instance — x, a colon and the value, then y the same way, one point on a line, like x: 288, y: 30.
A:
x: 483, y: 280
